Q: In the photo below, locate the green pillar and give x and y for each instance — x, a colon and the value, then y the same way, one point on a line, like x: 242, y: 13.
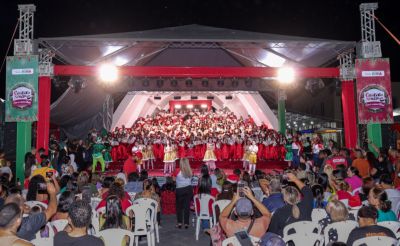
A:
x: 24, y: 135
x: 374, y: 133
x: 282, y: 112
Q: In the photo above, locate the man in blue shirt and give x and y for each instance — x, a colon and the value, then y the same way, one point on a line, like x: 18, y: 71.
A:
x: 275, y: 197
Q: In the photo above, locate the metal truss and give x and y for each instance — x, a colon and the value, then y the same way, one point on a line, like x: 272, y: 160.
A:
x: 46, y: 67
x: 369, y: 47
x: 346, y: 61
x: 24, y: 45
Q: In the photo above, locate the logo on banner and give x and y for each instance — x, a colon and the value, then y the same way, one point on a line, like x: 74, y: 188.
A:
x: 375, y: 98
x: 22, y: 96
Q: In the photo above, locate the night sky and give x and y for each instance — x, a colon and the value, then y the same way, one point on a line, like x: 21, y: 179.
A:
x: 330, y: 19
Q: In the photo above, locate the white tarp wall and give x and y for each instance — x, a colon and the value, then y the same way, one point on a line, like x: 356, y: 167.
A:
x: 243, y: 103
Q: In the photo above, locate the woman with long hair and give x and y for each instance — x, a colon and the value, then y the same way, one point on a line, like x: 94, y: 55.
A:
x: 296, y: 209
x: 34, y: 191
x: 184, y: 192
x: 318, y: 193
x: 226, y: 192
x: 378, y: 198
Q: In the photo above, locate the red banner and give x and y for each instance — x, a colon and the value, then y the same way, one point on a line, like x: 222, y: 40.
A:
x: 374, y: 92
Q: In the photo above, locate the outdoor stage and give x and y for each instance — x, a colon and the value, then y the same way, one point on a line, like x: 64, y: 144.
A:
x: 227, y: 166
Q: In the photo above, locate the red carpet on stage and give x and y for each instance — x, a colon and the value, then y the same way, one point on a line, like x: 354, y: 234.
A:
x: 227, y: 166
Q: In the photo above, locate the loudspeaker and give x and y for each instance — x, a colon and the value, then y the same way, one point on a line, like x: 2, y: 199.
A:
x: 157, y: 98
x: 228, y: 97
x: 177, y: 97
x: 210, y: 97
x: 193, y: 97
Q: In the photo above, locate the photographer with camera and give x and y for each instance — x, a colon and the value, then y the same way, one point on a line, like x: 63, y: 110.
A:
x: 244, y: 211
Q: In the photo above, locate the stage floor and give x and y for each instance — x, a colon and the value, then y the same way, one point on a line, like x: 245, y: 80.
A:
x: 227, y: 166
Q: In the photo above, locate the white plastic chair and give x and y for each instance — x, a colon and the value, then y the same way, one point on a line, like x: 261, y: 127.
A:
x: 113, y: 237
x: 43, y: 241
x: 51, y: 232
x: 234, y: 242
x: 394, y: 226
x: 59, y: 225
x: 154, y: 204
x: 94, y: 202
x: 32, y: 204
x: 397, y: 212
x: 343, y: 229
x: 354, y: 212
x: 395, y: 203
x: 355, y: 191
x: 144, y: 214
x: 204, y: 212
x: 95, y: 224
x: 100, y: 211
x: 374, y: 241
x: 302, y: 228
x: 132, y: 195
x: 318, y: 214
x: 300, y: 239
x: 221, y: 205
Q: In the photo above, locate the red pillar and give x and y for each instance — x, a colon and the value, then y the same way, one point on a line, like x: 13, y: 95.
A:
x: 349, y: 114
x: 43, y: 124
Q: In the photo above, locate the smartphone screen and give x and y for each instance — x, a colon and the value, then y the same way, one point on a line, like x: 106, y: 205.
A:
x: 240, y: 189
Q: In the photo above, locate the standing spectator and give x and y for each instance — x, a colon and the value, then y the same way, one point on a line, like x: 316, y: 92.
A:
x: 244, y: 210
x: 295, y: 209
x: 79, y: 218
x: 361, y: 164
x: 379, y: 199
x: 367, y: 217
x: 10, y: 220
x: 184, y: 192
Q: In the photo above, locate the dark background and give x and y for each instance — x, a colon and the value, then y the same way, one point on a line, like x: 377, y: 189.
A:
x: 330, y: 19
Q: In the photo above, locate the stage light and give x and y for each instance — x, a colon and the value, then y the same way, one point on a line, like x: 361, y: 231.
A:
x: 194, y: 97
x: 108, y: 73
x: 189, y: 82
x: 272, y: 60
x: 312, y: 122
x: 174, y: 82
x: 304, y: 124
x: 204, y: 106
x: 220, y: 83
x: 294, y: 122
x: 285, y: 75
x: 204, y: 82
x: 2, y: 100
x: 160, y: 82
x: 190, y: 106
x: 178, y: 106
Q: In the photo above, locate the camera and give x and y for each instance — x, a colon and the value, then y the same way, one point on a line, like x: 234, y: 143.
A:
x: 240, y: 187
x: 49, y: 175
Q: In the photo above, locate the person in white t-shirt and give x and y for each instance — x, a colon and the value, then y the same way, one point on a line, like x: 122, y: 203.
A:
x: 386, y: 183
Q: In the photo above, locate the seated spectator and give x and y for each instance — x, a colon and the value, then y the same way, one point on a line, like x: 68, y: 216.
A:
x: 367, y: 217
x: 105, y: 186
x: 6, y: 169
x: 149, y: 191
x: 361, y: 164
x: 336, y: 211
x: 114, y: 218
x: 353, y: 178
x: 32, y: 223
x: 343, y: 189
x: 79, y: 219
x: 318, y: 193
x: 134, y: 185
x: 226, y: 192
x: 386, y: 183
x: 168, y: 197
x: 296, y: 209
x: 274, y: 195
x: 64, y: 203
x: 323, y: 180
x: 244, y: 211
x: 217, y: 179
x: 368, y: 184
x: 3, y: 193
x: 116, y: 189
x: 379, y: 199
x: 10, y: 221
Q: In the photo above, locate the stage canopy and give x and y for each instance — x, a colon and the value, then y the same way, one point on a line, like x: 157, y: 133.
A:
x: 191, y: 45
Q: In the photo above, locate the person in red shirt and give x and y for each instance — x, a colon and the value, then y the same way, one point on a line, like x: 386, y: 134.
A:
x: 336, y: 159
x: 116, y: 189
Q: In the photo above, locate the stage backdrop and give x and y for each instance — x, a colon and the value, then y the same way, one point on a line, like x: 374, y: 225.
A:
x: 22, y: 88
x: 374, y: 91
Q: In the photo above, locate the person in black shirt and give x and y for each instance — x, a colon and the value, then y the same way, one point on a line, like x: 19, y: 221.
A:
x: 294, y: 210
x: 79, y: 218
x: 367, y: 217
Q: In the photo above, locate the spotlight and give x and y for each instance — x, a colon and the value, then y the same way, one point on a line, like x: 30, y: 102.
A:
x: 248, y: 82
x: 204, y: 106
x: 204, y: 82
x: 146, y: 82
x: 189, y: 82
x: 2, y: 100
x: 210, y: 98
x: 178, y: 106
x: 220, y: 83
x: 312, y: 122
x: 77, y: 84
x: 174, y: 82
x: 190, y: 106
x: 108, y: 73
x: 235, y: 82
x: 177, y: 97
x: 160, y: 82
x: 157, y: 98
x: 193, y: 97
x: 228, y: 97
x: 285, y: 75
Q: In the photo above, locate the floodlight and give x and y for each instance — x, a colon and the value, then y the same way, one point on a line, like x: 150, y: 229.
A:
x: 178, y: 106
x: 189, y: 106
x: 108, y: 73
x: 204, y: 106
x: 286, y: 75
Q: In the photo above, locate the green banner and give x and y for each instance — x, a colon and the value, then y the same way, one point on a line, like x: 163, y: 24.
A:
x: 22, y: 88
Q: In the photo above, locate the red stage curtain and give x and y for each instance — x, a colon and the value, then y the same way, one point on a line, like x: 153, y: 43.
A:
x: 349, y: 114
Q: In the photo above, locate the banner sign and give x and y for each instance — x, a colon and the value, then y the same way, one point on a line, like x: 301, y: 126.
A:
x: 374, y: 91
x: 22, y: 88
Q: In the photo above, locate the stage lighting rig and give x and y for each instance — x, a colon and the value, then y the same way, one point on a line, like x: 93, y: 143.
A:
x: 286, y: 75
x: 108, y: 73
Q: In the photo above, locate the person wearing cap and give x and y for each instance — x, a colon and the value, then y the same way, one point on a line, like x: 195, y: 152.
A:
x: 244, y: 211
x: 367, y: 217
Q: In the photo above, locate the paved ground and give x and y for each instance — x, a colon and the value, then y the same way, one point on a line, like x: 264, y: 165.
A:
x: 171, y: 236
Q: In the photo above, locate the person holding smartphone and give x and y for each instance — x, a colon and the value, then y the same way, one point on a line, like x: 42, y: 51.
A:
x: 244, y: 210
